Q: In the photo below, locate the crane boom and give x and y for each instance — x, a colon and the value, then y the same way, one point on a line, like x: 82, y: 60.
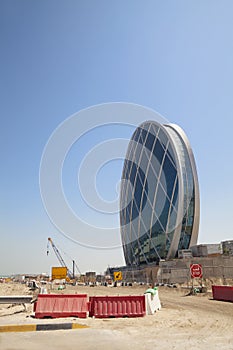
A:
x: 58, y: 255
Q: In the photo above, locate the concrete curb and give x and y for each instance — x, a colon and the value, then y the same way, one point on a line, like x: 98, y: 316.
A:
x: 40, y: 327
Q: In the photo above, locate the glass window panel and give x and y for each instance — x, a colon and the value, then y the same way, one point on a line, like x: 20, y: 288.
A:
x: 146, y: 126
x: 141, y: 174
x: 144, y: 198
x: 163, y: 138
x: 134, y: 233
x: 128, y: 214
x: 135, y: 211
x: 138, y: 191
x: 170, y: 176
x: 171, y: 155
x: 172, y: 220
x: 162, y: 207
x: 133, y: 173
x: 130, y: 150
x: 143, y: 135
x: 137, y: 154
x: 164, y: 215
x: 145, y: 219
x: 155, y: 166
x: 154, y: 129
x: 158, y: 151
x: 152, y: 183
x: 140, y: 139
x: 156, y: 229
x: 143, y: 167
x: 126, y: 169
x: 150, y: 141
x: 136, y: 134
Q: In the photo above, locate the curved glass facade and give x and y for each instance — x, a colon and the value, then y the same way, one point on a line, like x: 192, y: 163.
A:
x: 159, y: 194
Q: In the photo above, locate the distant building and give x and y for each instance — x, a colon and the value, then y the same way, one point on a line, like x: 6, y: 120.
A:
x: 90, y: 277
x: 203, y: 250
x: 227, y: 248
x: 185, y: 254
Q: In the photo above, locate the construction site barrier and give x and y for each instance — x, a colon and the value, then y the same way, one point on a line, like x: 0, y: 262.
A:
x: 117, y: 306
x: 152, y: 301
x: 224, y: 293
x: 65, y: 305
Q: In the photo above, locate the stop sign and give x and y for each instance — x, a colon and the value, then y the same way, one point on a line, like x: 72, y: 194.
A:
x: 196, y: 270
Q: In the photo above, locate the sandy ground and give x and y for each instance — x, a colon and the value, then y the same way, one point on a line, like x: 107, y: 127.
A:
x: 184, y: 322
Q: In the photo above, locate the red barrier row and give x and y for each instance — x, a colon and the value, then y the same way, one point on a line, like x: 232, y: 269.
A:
x: 64, y: 305
x: 224, y: 293
x: 77, y: 305
x: 117, y: 306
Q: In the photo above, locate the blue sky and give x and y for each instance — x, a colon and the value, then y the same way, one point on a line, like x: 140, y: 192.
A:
x: 58, y: 57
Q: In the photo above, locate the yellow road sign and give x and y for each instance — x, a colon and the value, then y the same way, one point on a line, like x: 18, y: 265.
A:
x: 59, y: 273
x: 117, y: 276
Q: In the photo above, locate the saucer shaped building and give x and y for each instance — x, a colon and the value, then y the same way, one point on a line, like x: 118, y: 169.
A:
x: 159, y: 201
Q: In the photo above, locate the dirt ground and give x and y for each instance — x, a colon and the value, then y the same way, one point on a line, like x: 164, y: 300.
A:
x: 184, y: 322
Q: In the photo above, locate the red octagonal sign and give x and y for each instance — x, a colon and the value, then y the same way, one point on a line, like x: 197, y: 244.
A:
x: 196, y: 270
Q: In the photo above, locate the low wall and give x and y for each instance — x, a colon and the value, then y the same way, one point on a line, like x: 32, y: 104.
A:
x: 178, y: 271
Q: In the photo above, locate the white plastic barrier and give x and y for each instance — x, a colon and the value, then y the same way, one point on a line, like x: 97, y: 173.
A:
x: 152, y: 301
x: 43, y: 290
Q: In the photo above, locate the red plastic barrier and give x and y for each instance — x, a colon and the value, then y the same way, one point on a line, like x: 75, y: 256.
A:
x: 65, y: 305
x: 224, y: 293
x: 117, y: 306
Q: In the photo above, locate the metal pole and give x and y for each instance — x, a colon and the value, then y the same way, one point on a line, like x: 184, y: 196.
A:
x: 73, y: 269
